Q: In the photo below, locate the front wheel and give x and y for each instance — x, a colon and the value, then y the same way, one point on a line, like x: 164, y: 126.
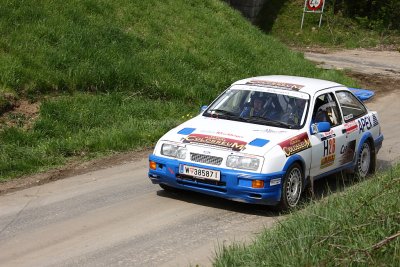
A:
x: 364, y: 161
x: 292, y: 187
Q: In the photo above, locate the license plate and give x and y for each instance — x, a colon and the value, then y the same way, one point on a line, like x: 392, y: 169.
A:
x: 199, y: 172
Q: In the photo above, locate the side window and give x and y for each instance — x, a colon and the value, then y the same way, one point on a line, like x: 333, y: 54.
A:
x: 326, y: 109
x: 351, y: 107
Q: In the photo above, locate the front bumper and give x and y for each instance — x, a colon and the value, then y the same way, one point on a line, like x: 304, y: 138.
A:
x: 234, y: 184
x: 378, y: 143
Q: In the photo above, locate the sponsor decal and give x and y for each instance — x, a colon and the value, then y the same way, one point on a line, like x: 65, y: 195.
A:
x: 229, y: 134
x: 270, y: 131
x: 347, y: 152
x: 295, y: 144
x: 348, y: 117
x: 235, y: 145
x: 375, y: 121
x: 329, y: 153
x: 350, y: 127
x: 364, y: 124
x: 327, y: 135
x: 327, y: 161
x: 277, y: 84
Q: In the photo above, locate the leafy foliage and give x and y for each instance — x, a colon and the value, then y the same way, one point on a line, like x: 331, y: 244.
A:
x: 374, y: 14
x: 342, y: 26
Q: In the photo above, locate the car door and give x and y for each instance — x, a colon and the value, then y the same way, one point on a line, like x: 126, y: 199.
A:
x: 326, y: 145
x: 355, y: 123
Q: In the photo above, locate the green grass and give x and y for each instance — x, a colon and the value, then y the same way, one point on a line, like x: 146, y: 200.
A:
x: 282, y: 19
x: 81, y: 58
x: 86, y: 126
x: 357, y: 227
x: 170, y: 49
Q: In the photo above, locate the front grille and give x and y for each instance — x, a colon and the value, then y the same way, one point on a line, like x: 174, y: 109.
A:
x: 212, y: 160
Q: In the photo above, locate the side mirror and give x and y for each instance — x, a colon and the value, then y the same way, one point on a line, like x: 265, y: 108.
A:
x: 203, y: 108
x: 321, y: 127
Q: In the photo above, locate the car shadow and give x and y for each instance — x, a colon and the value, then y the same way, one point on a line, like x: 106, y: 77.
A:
x: 338, y: 182
x: 322, y: 188
x: 218, y: 203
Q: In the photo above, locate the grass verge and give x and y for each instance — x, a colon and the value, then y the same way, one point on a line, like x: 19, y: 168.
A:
x: 115, y: 65
x: 357, y: 227
x: 85, y: 126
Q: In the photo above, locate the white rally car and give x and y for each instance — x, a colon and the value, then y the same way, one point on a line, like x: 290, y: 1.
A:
x: 264, y: 138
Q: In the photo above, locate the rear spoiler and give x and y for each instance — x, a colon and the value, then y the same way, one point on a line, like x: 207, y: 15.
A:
x: 362, y: 94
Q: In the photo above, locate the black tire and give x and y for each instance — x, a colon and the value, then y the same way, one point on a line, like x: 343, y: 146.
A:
x: 365, y: 161
x: 292, y: 187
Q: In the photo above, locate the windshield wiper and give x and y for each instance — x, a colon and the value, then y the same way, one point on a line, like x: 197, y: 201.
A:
x: 225, y: 114
x: 221, y: 112
x: 280, y: 124
x: 268, y: 122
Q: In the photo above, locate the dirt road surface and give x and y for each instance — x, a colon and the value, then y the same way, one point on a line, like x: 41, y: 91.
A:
x: 360, y: 60
x: 116, y: 217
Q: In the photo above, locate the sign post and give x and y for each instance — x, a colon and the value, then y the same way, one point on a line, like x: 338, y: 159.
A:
x: 313, y: 6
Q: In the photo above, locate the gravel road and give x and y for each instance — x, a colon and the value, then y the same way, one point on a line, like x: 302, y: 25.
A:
x: 117, y: 217
x: 369, y: 62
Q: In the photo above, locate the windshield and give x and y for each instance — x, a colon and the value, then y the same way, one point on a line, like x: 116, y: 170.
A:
x: 272, y: 107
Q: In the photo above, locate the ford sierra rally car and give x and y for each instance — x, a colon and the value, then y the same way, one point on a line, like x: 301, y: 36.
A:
x: 264, y: 138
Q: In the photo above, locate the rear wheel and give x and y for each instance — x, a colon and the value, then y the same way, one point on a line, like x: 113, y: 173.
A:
x: 292, y: 187
x: 364, y: 161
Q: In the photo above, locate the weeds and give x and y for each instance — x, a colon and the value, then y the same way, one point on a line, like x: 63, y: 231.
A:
x: 359, y: 226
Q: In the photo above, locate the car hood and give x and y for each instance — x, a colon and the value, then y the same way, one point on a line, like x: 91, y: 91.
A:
x: 230, y: 135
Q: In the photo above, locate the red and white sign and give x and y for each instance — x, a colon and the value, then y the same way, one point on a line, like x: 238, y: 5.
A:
x: 314, y: 4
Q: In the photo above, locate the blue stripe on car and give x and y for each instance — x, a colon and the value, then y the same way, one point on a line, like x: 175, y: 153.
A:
x: 186, y: 131
x: 259, y: 142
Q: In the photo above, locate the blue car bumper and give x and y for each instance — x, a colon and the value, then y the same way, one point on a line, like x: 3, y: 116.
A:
x: 378, y: 143
x: 233, y: 184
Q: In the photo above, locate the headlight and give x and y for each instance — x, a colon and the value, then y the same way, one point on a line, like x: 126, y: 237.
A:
x: 241, y: 162
x: 174, y: 151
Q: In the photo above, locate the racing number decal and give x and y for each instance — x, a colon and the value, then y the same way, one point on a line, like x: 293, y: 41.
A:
x: 314, y: 4
x: 329, y: 153
x: 329, y: 146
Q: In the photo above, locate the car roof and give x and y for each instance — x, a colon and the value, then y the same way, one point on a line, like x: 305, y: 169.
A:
x: 295, y: 83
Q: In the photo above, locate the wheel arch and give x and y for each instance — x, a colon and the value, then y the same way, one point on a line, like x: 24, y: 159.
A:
x: 296, y: 159
x: 367, y: 137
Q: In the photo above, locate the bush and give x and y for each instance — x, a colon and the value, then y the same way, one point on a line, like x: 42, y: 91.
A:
x: 373, y: 14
